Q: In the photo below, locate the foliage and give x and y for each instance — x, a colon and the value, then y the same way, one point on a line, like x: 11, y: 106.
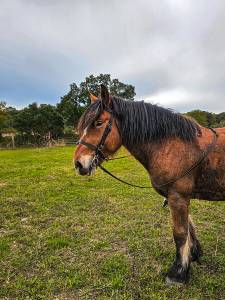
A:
x: 7, y: 117
x: 220, y: 120
x: 71, y: 106
x: 24, y: 121
x: 204, y: 118
x: 76, y: 100
x: 3, y: 114
x: 116, y: 88
x: 39, y: 121
x: 49, y: 120
x: 69, y: 237
x: 199, y: 116
x: 11, y: 113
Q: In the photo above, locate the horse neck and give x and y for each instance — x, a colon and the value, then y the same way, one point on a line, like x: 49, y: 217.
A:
x: 143, y: 153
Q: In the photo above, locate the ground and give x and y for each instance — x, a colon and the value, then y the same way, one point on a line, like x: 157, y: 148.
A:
x: 68, y: 237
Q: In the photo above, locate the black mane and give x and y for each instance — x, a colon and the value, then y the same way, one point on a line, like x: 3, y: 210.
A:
x: 141, y: 122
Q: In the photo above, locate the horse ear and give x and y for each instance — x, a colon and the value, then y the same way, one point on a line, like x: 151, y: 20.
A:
x: 93, y: 98
x: 105, y: 97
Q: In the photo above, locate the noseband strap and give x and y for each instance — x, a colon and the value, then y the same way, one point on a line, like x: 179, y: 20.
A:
x: 88, y: 145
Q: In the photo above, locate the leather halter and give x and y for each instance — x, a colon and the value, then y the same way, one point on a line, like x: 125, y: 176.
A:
x: 98, y: 156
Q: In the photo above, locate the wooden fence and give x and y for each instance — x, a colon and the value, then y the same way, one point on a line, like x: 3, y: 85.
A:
x: 52, y: 143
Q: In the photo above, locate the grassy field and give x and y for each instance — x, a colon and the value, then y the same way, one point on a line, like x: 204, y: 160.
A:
x: 68, y: 237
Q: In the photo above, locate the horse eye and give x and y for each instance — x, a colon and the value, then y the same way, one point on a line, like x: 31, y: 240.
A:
x: 98, y: 123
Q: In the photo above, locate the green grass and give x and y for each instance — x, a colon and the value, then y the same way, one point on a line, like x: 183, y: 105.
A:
x: 68, y: 237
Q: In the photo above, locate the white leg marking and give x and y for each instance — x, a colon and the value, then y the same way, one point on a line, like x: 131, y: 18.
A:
x: 186, y: 249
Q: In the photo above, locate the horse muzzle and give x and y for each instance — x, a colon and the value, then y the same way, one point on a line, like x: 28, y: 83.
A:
x: 82, y: 170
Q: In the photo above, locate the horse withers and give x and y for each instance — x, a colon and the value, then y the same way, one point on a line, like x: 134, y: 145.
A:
x: 184, y: 160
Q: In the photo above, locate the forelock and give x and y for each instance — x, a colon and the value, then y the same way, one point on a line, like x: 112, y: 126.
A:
x: 90, y: 115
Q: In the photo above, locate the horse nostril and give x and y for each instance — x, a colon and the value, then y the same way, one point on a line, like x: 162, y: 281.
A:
x: 78, y: 165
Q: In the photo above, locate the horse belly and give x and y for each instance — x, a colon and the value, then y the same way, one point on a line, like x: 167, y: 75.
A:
x: 210, y: 182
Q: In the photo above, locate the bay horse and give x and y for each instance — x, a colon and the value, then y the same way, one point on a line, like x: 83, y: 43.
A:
x: 166, y: 144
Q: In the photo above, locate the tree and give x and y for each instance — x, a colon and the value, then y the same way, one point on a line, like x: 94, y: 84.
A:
x: 116, y: 88
x: 48, y: 121
x: 76, y: 100
x: 199, y: 116
x: 205, y: 118
x: 70, y: 106
x: 11, y: 113
x: 39, y: 121
x: 3, y: 114
x: 126, y: 91
x: 211, y: 119
x: 220, y: 117
x: 24, y: 121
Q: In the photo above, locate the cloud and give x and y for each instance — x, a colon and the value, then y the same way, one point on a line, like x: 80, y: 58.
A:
x: 172, y: 51
x: 183, y: 101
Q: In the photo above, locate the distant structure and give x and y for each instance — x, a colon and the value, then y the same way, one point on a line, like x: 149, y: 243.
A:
x: 9, y: 132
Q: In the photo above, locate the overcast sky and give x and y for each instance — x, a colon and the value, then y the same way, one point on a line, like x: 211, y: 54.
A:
x: 172, y: 51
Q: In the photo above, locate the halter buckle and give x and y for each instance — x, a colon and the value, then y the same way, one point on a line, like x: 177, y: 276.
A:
x: 95, y: 161
x: 100, y: 148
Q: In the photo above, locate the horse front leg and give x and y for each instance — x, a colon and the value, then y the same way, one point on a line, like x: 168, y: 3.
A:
x: 179, y: 271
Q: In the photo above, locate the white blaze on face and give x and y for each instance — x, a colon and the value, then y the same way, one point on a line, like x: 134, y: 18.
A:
x: 85, y: 160
x: 85, y: 132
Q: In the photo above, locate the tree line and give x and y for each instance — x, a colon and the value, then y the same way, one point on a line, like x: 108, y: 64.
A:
x: 38, y: 124
x: 208, y: 119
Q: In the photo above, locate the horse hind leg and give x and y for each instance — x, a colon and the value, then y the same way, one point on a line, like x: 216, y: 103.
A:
x: 196, y: 250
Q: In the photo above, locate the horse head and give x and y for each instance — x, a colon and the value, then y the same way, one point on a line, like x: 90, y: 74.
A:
x: 99, y: 134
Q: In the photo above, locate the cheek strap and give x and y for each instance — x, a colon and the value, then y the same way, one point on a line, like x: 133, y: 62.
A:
x: 98, y: 149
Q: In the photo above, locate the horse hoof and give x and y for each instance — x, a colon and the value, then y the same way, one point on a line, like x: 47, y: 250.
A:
x: 173, y: 281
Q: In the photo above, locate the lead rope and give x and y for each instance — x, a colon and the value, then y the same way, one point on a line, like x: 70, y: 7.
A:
x: 121, y: 180
x: 109, y: 159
